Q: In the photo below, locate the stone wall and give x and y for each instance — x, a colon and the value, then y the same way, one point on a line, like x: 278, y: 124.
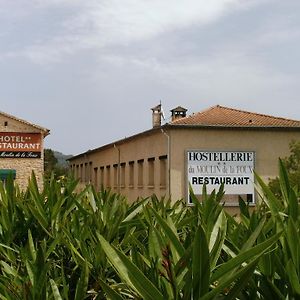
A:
x: 24, y: 169
x: 23, y: 166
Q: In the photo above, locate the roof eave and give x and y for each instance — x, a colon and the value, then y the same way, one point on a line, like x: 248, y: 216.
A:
x: 118, y: 142
x: 46, y: 132
x: 181, y: 126
x: 42, y: 129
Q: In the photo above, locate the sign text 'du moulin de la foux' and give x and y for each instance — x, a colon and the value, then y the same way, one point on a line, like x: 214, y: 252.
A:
x: 20, y: 145
x: 232, y: 168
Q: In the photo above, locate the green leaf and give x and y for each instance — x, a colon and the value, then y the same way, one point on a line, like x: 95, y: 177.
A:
x: 270, y: 291
x: 244, y: 256
x: 284, y: 181
x: 253, y: 237
x: 228, y: 280
x: 242, y: 281
x: 244, y: 209
x: 39, y: 269
x: 31, y: 246
x: 91, y: 198
x: 155, y: 244
x: 30, y: 273
x: 82, y: 284
x: 9, y: 269
x: 110, y: 293
x: 38, y: 201
x: 293, y: 242
x: 4, y: 298
x: 267, y: 262
x: 293, y: 206
x: 293, y: 276
x: 9, y: 248
x: 75, y: 251
x: 167, y: 230
x: 200, y: 264
x: 53, y: 245
x: 270, y: 199
x: 64, y: 280
x: 40, y: 218
x: 217, y: 238
x: 130, y: 273
x: 181, y: 268
x: 136, y: 209
x: 57, y: 207
x: 55, y: 290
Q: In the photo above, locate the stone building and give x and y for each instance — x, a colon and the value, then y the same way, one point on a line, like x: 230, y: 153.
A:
x: 214, y: 146
x: 21, y: 149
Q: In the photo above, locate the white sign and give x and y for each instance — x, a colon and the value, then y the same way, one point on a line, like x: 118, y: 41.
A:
x: 234, y: 169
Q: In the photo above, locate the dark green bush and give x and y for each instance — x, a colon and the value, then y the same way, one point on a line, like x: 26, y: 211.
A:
x: 60, y: 244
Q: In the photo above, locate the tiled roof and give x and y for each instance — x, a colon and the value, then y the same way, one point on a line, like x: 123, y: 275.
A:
x: 229, y: 117
x: 44, y: 130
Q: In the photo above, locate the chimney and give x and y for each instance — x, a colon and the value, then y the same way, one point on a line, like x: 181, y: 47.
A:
x: 178, y: 113
x: 156, y: 116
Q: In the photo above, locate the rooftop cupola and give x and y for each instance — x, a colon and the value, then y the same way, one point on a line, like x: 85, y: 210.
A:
x: 156, y: 116
x: 178, y: 113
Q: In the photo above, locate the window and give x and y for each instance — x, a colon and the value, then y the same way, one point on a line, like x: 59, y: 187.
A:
x: 77, y: 172
x: 107, y: 176
x: 101, y: 179
x: 122, y: 175
x: 5, y: 123
x: 140, y: 172
x: 86, y: 172
x: 131, y: 174
x: 163, y: 171
x: 96, y: 178
x: 90, y: 175
x: 81, y: 172
x: 116, y: 179
x: 151, y: 171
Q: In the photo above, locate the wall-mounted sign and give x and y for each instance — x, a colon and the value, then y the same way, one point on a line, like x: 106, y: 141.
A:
x: 20, y: 145
x: 234, y: 169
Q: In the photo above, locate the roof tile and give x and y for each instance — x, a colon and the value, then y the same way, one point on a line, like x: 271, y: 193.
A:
x: 225, y: 116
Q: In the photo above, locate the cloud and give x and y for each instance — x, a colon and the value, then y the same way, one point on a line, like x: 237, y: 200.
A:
x: 97, y: 24
x: 221, y: 78
x: 129, y: 20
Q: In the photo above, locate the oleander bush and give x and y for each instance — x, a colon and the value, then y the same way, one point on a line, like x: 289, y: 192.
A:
x: 60, y: 244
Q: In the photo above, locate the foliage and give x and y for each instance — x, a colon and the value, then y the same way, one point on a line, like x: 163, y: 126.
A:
x: 59, y: 244
x: 52, y: 165
x: 292, y: 165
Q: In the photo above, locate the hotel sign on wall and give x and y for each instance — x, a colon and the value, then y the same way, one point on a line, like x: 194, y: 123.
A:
x: 20, y: 145
x: 234, y: 169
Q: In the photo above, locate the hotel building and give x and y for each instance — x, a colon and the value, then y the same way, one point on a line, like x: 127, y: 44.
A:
x: 21, y: 149
x: 214, y: 146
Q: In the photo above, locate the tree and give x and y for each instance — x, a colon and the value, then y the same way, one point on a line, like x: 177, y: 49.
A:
x: 51, y: 165
x: 292, y: 164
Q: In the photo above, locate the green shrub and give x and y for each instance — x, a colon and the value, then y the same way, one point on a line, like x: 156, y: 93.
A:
x: 59, y: 244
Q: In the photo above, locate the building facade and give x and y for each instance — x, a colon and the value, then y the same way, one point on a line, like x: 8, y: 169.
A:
x: 21, y: 150
x: 218, y: 145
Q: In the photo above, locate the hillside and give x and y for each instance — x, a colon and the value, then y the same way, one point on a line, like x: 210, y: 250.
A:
x: 62, y: 158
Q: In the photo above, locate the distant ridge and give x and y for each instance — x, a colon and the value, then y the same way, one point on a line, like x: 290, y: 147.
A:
x: 62, y: 158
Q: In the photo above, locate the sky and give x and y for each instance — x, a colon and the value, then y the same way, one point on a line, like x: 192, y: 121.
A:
x: 91, y: 70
